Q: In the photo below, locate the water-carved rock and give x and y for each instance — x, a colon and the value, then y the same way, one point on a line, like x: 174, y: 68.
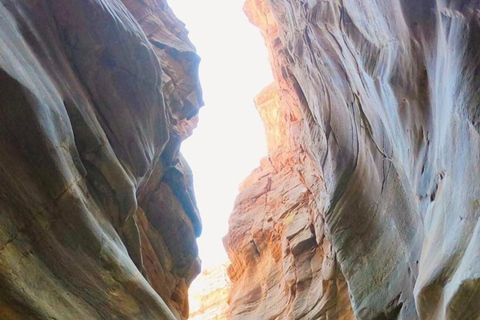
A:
x: 95, y: 99
x: 367, y: 205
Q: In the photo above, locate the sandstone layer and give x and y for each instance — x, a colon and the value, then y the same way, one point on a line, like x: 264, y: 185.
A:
x: 98, y: 216
x: 208, y: 294
x: 368, y: 204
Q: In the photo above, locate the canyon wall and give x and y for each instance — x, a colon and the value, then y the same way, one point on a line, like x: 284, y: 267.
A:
x: 368, y: 204
x: 98, y: 218
x: 208, y: 294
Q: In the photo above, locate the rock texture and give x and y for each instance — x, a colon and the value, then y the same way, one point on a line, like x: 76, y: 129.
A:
x: 98, y: 216
x: 208, y: 294
x: 367, y: 206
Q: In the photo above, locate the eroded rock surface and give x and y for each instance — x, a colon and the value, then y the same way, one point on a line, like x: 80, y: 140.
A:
x: 98, y: 215
x: 367, y: 206
x: 208, y: 294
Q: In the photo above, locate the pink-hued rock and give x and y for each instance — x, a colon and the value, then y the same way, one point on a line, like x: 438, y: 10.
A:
x: 282, y: 265
x: 98, y: 215
x: 367, y: 206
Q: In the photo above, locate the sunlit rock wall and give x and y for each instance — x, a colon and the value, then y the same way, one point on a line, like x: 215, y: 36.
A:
x: 368, y: 204
x: 208, y: 294
x: 98, y: 218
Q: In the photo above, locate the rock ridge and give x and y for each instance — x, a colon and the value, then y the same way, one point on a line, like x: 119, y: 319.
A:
x: 99, y: 218
x: 365, y: 207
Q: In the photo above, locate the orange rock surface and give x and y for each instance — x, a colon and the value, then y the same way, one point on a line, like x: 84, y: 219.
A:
x: 208, y: 294
x: 282, y: 267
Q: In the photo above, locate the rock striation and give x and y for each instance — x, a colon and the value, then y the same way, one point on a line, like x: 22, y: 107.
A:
x: 367, y: 206
x: 98, y: 215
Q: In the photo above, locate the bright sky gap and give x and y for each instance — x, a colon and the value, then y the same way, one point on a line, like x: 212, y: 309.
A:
x: 229, y: 140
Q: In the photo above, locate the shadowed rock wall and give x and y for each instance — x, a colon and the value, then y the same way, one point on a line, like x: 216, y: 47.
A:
x: 98, y: 218
x: 367, y: 206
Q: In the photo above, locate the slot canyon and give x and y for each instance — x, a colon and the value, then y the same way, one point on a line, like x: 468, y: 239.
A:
x: 366, y: 206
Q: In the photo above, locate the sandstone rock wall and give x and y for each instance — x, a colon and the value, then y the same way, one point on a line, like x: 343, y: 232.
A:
x: 98, y: 218
x: 208, y: 294
x: 367, y: 205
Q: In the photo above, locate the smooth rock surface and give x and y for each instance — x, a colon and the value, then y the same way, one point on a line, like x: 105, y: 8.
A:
x: 98, y: 215
x: 367, y: 206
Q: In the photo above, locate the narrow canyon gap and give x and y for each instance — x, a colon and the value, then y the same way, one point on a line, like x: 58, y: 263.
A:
x: 367, y: 206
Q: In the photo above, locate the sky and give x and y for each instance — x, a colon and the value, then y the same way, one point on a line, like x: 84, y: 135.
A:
x: 229, y: 140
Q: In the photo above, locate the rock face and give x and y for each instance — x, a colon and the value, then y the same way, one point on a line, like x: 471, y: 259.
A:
x: 368, y: 204
x: 98, y: 216
x: 208, y: 294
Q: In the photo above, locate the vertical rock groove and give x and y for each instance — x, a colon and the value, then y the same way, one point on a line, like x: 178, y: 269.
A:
x: 98, y: 215
x: 367, y: 204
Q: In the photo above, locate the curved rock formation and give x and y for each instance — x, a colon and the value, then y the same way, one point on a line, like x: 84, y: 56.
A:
x: 98, y: 216
x: 368, y: 204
